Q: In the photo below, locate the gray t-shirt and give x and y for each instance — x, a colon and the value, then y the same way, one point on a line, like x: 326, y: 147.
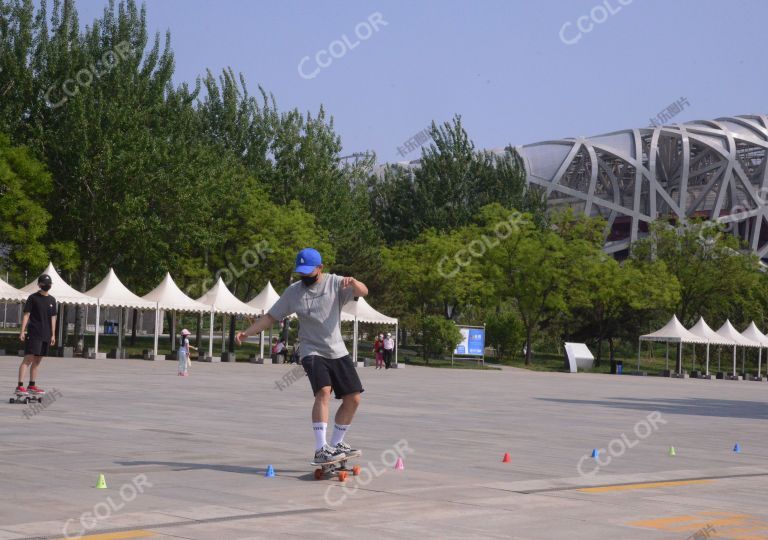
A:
x: 319, y: 310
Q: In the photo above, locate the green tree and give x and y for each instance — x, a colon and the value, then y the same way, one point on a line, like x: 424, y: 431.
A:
x: 450, y: 185
x: 525, y: 268
x: 714, y: 275
x: 437, y: 336
x: 423, y: 283
x: 608, y: 300
x: 505, y: 332
x: 24, y: 185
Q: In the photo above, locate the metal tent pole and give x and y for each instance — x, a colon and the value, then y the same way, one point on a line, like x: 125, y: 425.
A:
x: 157, y: 318
x: 707, y: 368
x: 96, y: 340
x: 261, y: 341
x: 210, y: 336
x: 120, y: 333
x: 397, y: 339
x: 354, y: 344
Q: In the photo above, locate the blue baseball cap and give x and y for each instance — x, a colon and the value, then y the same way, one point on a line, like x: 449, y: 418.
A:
x: 307, y: 260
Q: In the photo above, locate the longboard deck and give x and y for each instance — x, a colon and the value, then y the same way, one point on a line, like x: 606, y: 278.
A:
x: 336, y: 467
x: 27, y: 398
x: 335, y: 461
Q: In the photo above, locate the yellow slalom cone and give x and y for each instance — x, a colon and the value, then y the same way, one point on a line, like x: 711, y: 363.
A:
x: 102, y: 483
x: 672, y: 451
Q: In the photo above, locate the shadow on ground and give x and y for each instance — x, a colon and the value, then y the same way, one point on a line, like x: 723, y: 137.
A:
x: 238, y: 469
x: 724, y: 408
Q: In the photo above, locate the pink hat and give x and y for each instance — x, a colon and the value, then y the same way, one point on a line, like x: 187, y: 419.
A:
x: 186, y: 332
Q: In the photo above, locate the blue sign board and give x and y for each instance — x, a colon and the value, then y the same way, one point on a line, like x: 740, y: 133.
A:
x: 473, y: 343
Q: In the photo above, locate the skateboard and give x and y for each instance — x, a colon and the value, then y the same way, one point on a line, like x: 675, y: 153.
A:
x: 337, y: 467
x: 26, y: 398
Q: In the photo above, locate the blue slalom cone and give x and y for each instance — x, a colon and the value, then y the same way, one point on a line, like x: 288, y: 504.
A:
x: 737, y: 448
x: 270, y: 472
x: 594, y: 453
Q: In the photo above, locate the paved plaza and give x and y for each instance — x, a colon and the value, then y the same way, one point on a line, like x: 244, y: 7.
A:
x: 186, y: 457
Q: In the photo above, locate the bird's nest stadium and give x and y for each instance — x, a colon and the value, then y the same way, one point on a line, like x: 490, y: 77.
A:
x: 711, y: 169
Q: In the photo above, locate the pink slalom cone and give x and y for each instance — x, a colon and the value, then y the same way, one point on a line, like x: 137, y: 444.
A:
x: 399, y: 465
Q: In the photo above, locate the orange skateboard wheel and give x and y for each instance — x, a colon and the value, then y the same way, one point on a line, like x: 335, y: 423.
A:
x: 342, y: 476
x: 356, y: 470
x: 318, y: 474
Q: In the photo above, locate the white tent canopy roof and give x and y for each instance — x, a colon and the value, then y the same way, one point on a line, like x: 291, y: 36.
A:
x: 169, y: 297
x: 363, y: 311
x: 754, y: 334
x: 727, y: 330
x: 263, y: 301
x: 223, y: 301
x: 112, y: 292
x: 702, y: 329
x: 60, y: 289
x: 673, y: 332
x: 9, y: 293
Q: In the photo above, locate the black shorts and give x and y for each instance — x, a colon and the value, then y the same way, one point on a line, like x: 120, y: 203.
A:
x: 338, y: 373
x: 36, y: 346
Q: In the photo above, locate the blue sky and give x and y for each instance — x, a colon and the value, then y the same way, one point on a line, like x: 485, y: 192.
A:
x: 500, y: 64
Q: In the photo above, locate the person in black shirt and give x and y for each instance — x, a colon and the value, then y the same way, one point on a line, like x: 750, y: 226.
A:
x: 37, y: 332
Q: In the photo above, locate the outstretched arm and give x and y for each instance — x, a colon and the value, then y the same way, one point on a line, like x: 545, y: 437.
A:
x: 262, y: 323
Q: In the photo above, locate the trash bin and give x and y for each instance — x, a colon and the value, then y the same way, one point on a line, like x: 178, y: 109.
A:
x: 619, y: 367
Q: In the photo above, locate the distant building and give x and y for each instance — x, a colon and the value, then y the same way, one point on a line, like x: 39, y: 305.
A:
x: 715, y: 169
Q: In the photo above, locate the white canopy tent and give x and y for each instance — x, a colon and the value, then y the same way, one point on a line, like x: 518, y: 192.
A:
x: 756, y: 335
x: 9, y: 293
x: 728, y: 331
x: 263, y: 302
x: 60, y: 289
x: 62, y: 292
x: 167, y: 296
x: 111, y: 292
x: 672, y: 332
x: 361, y: 311
x: 702, y: 329
x: 221, y: 300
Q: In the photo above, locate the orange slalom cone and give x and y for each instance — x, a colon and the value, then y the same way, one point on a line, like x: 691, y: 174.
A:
x: 506, y: 458
x: 399, y: 465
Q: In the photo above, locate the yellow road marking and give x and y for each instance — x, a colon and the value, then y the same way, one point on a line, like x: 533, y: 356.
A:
x: 730, y: 524
x: 647, y: 485
x: 119, y: 535
x: 662, y: 523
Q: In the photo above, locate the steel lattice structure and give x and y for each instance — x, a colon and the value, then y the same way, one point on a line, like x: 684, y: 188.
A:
x: 715, y: 169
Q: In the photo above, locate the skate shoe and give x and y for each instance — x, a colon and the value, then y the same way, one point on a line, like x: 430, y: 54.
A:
x: 327, y: 454
x: 347, y: 450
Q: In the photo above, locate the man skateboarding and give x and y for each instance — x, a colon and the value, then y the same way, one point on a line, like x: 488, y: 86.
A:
x: 317, y: 300
x: 37, y: 332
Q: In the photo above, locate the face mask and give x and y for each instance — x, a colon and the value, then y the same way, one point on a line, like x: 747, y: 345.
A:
x: 309, y: 280
x: 46, y: 287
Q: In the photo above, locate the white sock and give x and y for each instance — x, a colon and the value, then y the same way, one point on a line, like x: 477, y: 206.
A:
x: 319, y: 428
x: 338, y: 434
